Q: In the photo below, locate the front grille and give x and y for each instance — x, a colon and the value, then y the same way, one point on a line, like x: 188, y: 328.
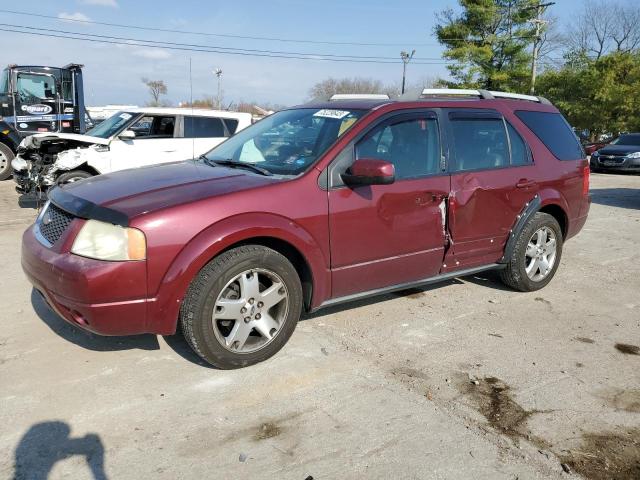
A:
x: 611, y: 159
x: 54, y: 222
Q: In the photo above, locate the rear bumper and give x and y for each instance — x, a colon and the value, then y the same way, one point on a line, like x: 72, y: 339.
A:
x: 107, y: 298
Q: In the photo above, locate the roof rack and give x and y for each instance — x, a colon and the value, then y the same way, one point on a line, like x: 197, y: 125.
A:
x: 484, y: 94
x: 359, y: 96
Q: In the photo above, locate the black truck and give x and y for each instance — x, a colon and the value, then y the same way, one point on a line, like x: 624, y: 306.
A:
x: 37, y: 99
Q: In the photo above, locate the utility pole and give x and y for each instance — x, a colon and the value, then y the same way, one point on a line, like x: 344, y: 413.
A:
x: 539, y: 23
x: 406, y: 58
x: 218, y: 73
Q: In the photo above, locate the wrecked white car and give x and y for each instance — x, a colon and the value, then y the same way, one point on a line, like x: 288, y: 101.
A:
x: 128, y: 139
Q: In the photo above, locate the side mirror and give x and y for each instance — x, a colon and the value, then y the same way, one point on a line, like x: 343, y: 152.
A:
x: 127, y: 135
x: 369, y: 171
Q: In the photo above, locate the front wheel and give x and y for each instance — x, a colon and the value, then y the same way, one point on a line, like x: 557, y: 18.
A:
x: 6, y: 155
x: 536, y: 256
x: 72, y: 177
x: 242, y: 307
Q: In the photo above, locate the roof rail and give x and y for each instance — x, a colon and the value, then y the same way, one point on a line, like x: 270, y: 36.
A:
x: 359, y: 96
x: 484, y: 94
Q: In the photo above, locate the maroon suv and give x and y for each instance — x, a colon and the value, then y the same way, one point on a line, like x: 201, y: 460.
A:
x: 313, y: 206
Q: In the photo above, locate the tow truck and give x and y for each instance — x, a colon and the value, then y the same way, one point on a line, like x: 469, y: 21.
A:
x: 38, y: 99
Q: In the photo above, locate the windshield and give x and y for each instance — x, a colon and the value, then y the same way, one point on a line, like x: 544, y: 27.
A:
x: 112, y: 125
x: 289, y: 141
x: 627, y: 140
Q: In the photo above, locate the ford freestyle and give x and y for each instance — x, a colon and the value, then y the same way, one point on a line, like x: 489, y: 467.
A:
x: 312, y: 206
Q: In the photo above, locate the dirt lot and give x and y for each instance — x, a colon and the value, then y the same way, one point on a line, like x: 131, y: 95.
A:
x: 462, y: 380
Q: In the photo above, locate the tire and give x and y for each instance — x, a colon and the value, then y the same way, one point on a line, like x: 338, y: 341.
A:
x: 72, y: 176
x: 6, y: 155
x: 226, y: 284
x: 520, y: 273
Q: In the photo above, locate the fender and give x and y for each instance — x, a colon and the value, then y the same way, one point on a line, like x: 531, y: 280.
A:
x: 164, y: 308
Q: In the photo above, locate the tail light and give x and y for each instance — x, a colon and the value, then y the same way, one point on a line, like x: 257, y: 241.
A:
x: 586, y: 173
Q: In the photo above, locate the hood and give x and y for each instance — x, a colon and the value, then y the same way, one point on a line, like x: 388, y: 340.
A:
x: 143, y: 190
x: 619, y: 150
x: 34, y: 141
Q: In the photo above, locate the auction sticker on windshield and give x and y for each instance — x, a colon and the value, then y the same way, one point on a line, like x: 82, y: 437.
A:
x: 328, y: 113
x: 125, y: 116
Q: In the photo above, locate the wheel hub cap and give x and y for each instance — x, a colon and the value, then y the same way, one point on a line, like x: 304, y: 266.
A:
x: 540, y: 256
x: 250, y: 311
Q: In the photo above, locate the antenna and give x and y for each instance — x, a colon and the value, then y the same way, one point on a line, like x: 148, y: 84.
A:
x: 193, y: 140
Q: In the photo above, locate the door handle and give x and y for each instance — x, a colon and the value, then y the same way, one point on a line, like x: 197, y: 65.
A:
x: 169, y: 151
x: 525, y: 183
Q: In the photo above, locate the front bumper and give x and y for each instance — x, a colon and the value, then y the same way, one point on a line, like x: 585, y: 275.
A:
x: 107, y: 298
x: 621, y: 164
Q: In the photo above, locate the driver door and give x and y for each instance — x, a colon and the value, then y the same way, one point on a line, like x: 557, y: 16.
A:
x: 383, y: 235
x: 36, y: 103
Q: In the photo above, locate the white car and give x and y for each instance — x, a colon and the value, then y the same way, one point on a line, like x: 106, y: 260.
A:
x: 133, y: 138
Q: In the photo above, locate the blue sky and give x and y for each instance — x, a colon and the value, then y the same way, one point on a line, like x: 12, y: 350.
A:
x: 113, y: 72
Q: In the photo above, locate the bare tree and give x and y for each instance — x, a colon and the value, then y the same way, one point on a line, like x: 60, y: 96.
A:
x: 626, y: 35
x: 325, y: 89
x: 603, y: 27
x: 156, y: 88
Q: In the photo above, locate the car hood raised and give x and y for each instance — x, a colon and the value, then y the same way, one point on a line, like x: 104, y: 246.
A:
x: 619, y: 149
x: 142, y: 190
x: 34, y: 141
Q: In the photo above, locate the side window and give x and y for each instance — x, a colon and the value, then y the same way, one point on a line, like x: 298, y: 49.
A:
x: 479, y: 143
x: 142, y: 127
x: 203, y: 127
x: 412, y: 145
x: 519, y: 151
x: 231, y: 124
x: 554, y: 131
x: 163, y: 127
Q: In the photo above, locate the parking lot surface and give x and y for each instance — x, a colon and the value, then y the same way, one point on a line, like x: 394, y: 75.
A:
x: 466, y: 379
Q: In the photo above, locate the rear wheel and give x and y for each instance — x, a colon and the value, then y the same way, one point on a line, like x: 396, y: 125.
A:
x: 72, y: 177
x: 6, y: 155
x: 242, y: 307
x: 536, y: 256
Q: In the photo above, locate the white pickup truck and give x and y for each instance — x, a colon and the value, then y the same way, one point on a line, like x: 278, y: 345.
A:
x: 133, y: 138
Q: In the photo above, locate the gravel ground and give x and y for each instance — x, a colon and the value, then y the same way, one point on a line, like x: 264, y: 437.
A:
x: 464, y: 380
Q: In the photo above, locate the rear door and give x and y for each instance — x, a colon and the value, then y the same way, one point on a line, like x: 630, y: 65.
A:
x: 492, y: 179
x: 201, y: 134
x: 383, y: 235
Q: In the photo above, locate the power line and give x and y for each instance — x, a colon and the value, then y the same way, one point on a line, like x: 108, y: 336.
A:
x: 199, y: 46
x: 209, y: 34
x: 160, y: 45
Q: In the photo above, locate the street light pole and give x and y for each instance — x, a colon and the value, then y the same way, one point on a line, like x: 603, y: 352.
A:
x: 218, y: 73
x: 406, y: 58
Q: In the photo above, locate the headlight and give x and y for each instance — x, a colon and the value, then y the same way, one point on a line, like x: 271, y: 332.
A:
x: 105, y: 241
x: 634, y: 155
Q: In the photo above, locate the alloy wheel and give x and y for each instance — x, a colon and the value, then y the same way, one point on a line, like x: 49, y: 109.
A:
x: 250, y: 311
x: 540, y: 256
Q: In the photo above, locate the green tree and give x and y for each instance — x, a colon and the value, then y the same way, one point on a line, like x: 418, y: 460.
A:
x: 599, y: 95
x: 489, y: 43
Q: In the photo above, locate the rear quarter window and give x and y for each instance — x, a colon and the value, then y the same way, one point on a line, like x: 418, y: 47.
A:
x: 554, y: 131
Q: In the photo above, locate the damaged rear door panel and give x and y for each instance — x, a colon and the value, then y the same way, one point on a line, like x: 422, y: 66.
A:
x: 491, y: 171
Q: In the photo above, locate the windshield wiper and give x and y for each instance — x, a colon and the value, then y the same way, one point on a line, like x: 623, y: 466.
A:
x: 233, y: 164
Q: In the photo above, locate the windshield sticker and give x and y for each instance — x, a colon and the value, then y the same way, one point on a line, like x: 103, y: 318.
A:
x: 328, y: 113
x: 125, y: 116
x: 346, y: 124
